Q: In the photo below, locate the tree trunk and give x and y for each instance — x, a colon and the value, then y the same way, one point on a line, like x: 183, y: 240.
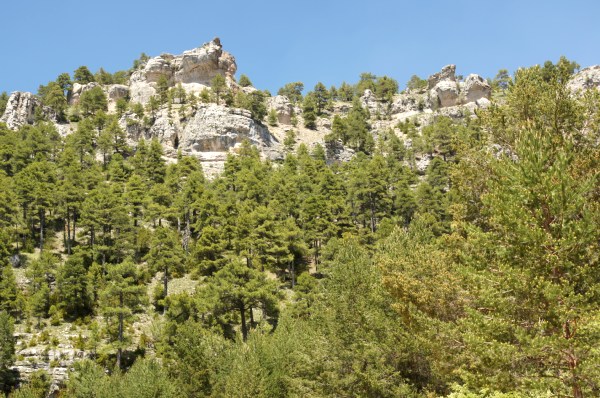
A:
x: 165, y: 287
x: 42, y: 216
x: 187, y: 233
x: 293, y: 269
x: 68, y: 226
x: 74, y: 225
x: 243, y: 315
x: 120, y: 349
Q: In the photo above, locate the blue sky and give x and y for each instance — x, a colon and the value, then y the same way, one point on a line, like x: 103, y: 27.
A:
x: 276, y: 42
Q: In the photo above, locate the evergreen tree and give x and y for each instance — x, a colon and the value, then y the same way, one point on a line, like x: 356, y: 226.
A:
x: 293, y: 91
x: 82, y: 75
x: 309, y: 112
x: 218, y: 85
x: 321, y: 96
x: 72, y: 286
x: 237, y: 289
x: 122, y: 296
x: 165, y: 256
x: 7, y: 350
x: 244, y: 81
x: 92, y: 101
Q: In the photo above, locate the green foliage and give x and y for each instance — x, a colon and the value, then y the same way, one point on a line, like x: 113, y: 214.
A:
x: 293, y: 91
x: 472, y: 278
x: 309, y: 112
x: 416, y: 83
x: 244, y: 81
x: 7, y: 346
x: 3, y: 102
x: 385, y: 88
x: 238, y: 290
x: 145, y: 379
x: 73, y: 288
x: 93, y: 101
x: 218, y: 85
x: 82, y: 75
x: 321, y: 97
x: 254, y: 102
x: 272, y: 120
x: 53, y: 95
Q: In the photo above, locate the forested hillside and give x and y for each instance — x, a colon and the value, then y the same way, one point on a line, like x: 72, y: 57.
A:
x: 306, y: 277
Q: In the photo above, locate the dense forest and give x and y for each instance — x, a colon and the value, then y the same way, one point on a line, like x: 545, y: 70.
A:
x: 308, y: 278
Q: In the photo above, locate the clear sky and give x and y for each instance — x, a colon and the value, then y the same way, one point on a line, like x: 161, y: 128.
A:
x: 276, y: 42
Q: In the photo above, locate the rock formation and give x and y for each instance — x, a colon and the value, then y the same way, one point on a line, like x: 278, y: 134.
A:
x: 445, y: 91
x: 195, y: 68
x: 475, y: 88
x: 21, y: 109
x: 282, y: 107
x: 448, y: 72
x: 585, y: 79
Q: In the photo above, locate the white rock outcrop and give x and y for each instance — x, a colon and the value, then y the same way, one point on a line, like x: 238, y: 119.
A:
x: 194, y: 67
x: 216, y: 128
x: 21, y: 108
x: 282, y: 106
x: 446, y: 92
x: 475, y: 88
x: 78, y: 90
x: 448, y: 72
x: 585, y: 79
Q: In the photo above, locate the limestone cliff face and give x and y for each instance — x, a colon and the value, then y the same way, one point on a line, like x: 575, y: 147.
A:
x: 586, y: 78
x: 216, y: 128
x: 194, y: 69
x: 209, y: 133
x: 21, y: 109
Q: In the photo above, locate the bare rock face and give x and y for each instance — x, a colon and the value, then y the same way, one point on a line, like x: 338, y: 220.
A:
x: 79, y: 89
x: 216, y: 128
x: 446, y: 92
x: 115, y: 92
x: 585, y: 79
x: 475, y: 88
x: 368, y: 101
x: 194, y: 67
x: 448, y: 72
x: 281, y: 105
x: 21, y: 108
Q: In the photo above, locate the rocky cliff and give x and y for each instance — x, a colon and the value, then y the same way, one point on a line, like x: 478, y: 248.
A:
x: 211, y: 131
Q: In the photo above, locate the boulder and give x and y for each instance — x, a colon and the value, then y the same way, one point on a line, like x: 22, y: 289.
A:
x: 445, y: 93
x: 475, y: 88
x: 141, y: 91
x: 21, y: 108
x: 114, y: 92
x: 157, y: 67
x: 585, y: 79
x: 282, y: 106
x: 448, y: 72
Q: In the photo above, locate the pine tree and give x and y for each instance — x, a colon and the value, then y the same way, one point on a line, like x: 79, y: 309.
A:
x: 122, y: 296
x: 237, y: 289
x: 72, y: 286
x: 531, y: 245
x: 309, y: 112
x: 165, y: 256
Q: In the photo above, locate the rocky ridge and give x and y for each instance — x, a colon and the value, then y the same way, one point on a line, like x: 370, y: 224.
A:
x: 210, y: 131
